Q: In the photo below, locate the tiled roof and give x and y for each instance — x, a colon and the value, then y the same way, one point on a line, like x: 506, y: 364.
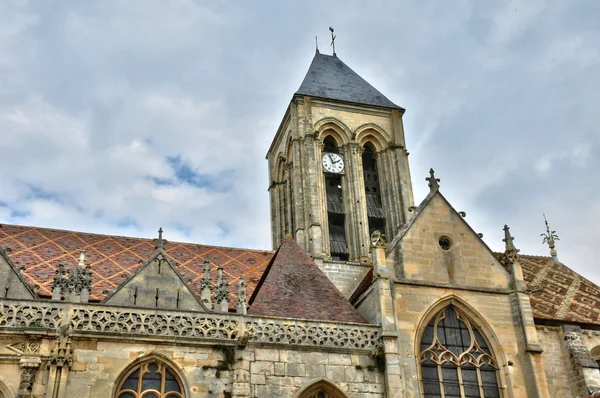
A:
x: 328, y: 77
x: 38, y: 251
x: 294, y: 287
x: 563, y: 294
x: 559, y: 293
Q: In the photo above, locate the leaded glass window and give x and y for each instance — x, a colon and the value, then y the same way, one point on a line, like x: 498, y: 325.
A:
x: 456, y: 361
x: 150, y: 379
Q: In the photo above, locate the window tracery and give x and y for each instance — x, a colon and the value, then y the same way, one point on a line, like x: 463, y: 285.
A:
x: 456, y: 361
x: 150, y: 379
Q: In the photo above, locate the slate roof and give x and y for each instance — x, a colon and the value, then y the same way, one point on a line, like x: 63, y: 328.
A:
x: 328, y: 77
x: 294, y: 287
x: 38, y: 251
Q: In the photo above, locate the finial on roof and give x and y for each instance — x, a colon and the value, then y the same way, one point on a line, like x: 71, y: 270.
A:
x: 82, y: 259
x: 316, y: 45
x: 242, y: 303
x: 550, y: 237
x: 511, y: 253
x: 333, y: 40
x: 433, y: 182
x: 159, y: 243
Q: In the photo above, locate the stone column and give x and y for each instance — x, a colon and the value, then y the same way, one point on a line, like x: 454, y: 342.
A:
x: 357, y: 222
x: 59, y: 365
x: 390, y: 349
x: 298, y: 196
x: 387, y: 194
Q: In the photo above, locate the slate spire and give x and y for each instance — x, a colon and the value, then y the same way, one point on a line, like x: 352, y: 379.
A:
x: 330, y: 78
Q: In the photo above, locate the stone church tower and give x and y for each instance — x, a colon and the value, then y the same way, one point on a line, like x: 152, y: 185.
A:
x: 338, y: 165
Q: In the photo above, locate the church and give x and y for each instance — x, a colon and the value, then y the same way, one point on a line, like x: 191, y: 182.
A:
x: 366, y: 293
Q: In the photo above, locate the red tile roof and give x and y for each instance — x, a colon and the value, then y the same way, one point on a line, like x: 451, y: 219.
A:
x: 294, y: 287
x: 38, y: 251
x: 559, y: 292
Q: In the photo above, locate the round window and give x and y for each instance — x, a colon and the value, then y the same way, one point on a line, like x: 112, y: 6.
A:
x: 445, y: 243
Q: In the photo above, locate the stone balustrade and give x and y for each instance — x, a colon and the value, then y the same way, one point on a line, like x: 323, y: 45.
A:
x: 104, y: 321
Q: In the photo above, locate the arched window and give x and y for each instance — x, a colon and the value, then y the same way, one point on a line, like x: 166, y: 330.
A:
x: 150, y: 379
x: 336, y: 216
x: 321, y: 389
x: 375, y: 213
x: 455, y: 359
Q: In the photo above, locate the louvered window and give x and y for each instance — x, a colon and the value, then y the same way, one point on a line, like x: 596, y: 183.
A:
x: 375, y: 213
x: 336, y: 216
x: 456, y: 361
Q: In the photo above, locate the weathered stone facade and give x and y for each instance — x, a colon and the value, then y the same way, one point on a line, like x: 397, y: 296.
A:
x: 430, y: 309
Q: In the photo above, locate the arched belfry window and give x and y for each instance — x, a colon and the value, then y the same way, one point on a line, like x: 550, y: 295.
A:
x: 375, y: 213
x: 336, y: 215
x: 150, y: 379
x: 456, y: 360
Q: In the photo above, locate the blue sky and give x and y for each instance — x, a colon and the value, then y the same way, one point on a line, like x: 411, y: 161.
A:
x: 123, y: 116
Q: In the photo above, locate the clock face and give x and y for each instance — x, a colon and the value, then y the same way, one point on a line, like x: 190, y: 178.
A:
x: 333, y: 163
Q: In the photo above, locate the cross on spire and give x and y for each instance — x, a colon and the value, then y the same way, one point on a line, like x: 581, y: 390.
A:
x: 433, y: 182
x: 332, y: 40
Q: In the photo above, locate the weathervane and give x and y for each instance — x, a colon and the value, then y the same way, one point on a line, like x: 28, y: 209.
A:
x: 332, y: 40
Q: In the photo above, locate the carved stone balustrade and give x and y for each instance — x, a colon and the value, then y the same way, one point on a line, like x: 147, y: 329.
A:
x: 111, y: 322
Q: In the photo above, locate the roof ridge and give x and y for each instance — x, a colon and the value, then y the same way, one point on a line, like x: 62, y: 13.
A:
x: 135, y: 237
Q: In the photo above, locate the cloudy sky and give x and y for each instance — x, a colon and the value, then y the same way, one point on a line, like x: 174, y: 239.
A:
x: 122, y: 116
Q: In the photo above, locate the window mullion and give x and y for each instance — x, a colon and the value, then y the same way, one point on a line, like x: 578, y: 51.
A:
x: 480, y: 383
x: 441, y: 378
x: 460, y: 381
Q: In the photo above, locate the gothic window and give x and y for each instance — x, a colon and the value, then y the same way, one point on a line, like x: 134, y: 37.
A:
x: 150, y: 379
x: 336, y: 215
x: 456, y: 361
x: 375, y: 213
x: 322, y: 389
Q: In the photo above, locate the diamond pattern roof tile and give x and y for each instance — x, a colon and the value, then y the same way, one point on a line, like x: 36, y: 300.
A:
x: 39, y: 251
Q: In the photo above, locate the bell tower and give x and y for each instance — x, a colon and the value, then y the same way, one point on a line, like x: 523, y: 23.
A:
x: 338, y: 165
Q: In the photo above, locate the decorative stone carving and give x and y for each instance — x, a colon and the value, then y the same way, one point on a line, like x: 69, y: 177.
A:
x: 62, y: 354
x: 378, y: 239
x: 433, y: 182
x: 29, y: 367
x: 511, y: 253
x: 242, y: 303
x: 314, y: 334
x: 205, y: 294
x: 27, y: 346
x: 222, y: 294
x: 30, y: 316
x: 78, y: 285
x: 87, y: 319
x: 59, y: 284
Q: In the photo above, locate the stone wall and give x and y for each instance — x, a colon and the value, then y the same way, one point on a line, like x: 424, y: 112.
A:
x: 345, y: 275
x: 283, y: 372
x: 556, y: 361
